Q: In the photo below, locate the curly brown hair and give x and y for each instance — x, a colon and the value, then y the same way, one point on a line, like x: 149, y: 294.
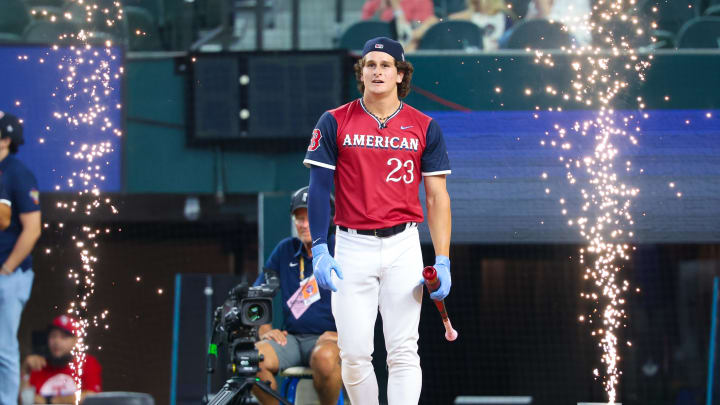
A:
x: 403, y: 88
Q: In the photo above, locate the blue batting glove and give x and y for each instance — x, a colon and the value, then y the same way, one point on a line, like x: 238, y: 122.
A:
x: 442, y: 266
x: 323, y: 265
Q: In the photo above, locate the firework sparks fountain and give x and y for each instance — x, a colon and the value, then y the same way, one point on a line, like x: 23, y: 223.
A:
x: 603, y: 220
x: 90, y: 72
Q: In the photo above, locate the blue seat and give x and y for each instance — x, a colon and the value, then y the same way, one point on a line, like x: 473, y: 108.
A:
x: 453, y: 35
x: 700, y: 33
x: 356, y: 35
x: 535, y: 34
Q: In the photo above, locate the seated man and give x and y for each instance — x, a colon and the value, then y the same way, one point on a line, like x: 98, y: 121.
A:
x: 310, y: 337
x: 51, y: 374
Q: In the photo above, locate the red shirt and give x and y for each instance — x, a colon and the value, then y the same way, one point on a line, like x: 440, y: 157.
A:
x: 378, y: 167
x: 53, y: 381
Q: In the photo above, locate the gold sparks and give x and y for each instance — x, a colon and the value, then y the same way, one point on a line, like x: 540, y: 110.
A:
x: 604, y: 220
x: 87, y: 63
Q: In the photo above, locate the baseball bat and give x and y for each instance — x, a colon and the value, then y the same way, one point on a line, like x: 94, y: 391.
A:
x: 432, y: 283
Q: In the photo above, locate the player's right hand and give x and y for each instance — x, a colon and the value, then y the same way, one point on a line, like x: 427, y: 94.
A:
x: 323, y: 265
x: 34, y: 362
x: 277, y: 335
x: 442, y: 266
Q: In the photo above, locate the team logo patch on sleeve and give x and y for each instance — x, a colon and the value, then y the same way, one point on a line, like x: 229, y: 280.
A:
x: 315, y: 141
x: 35, y: 195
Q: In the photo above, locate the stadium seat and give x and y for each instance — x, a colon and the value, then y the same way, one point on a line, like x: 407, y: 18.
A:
x: 701, y: 32
x: 45, y: 12
x: 712, y: 11
x: 297, y: 386
x: 453, y: 35
x: 670, y: 15
x: 444, y: 8
x: 119, y: 398
x: 142, y: 21
x: 99, y: 24
x: 45, y: 3
x: 153, y: 6
x: 7, y: 38
x: 622, y: 31
x: 535, y: 34
x: 14, y: 16
x: 357, y: 34
x: 46, y: 32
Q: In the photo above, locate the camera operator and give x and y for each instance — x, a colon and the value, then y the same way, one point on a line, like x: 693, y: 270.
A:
x: 310, y: 337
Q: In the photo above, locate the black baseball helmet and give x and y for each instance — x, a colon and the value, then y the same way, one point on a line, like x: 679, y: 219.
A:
x: 299, y: 199
x: 11, y: 127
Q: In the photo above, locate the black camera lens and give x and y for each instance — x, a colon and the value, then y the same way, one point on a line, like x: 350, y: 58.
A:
x: 255, y: 312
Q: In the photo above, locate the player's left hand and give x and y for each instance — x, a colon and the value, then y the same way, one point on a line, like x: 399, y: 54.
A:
x: 442, y: 267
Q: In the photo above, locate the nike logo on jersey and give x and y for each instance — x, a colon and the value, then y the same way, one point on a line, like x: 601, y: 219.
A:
x: 293, y: 264
x: 405, y: 127
x: 381, y: 142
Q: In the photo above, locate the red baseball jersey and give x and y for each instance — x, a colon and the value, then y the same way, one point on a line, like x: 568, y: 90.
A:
x: 378, y: 166
x: 53, y: 381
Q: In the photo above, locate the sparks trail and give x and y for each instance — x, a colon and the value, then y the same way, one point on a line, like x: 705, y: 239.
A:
x: 603, y: 219
x: 87, y: 61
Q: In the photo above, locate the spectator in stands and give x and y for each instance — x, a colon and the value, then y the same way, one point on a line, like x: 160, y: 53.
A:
x: 575, y: 14
x: 50, y: 374
x: 405, y: 15
x: 493, y: 16
x: 309, y: 337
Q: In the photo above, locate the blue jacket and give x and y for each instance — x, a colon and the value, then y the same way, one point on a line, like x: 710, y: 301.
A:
x: 285, y: 260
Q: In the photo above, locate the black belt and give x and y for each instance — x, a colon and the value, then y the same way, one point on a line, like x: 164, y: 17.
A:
x: 380, y: 233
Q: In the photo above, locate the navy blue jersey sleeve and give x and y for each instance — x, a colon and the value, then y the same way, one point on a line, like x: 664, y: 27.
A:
x: 24, y: 192
x: 435, y: 158
x: 321, y: 182
x: 323, y: 149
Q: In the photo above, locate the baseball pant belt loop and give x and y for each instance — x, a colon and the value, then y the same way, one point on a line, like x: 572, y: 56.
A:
x: 380, y: 233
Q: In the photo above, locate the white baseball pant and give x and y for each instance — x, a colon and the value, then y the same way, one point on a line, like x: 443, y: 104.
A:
x: 379, y: 273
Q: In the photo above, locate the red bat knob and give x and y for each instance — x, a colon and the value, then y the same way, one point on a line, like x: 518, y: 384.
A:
x: 432, y: 283
x: 431, y: 279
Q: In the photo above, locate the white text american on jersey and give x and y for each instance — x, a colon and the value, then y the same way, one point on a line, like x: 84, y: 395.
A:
x: 381, y: 142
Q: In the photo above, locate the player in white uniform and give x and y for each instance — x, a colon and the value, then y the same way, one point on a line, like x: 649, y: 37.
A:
x: 376, y: 150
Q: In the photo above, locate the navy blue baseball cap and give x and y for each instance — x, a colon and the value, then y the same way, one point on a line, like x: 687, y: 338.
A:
x: 11, y: 127
x: 384, y: 44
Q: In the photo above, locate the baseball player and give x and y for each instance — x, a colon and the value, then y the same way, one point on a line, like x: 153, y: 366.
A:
x: 376, y: 151
x: 16, y: 243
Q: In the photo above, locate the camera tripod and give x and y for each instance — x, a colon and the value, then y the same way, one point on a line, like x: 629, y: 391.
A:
x: 244, y: 361
x: 237, y: 389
